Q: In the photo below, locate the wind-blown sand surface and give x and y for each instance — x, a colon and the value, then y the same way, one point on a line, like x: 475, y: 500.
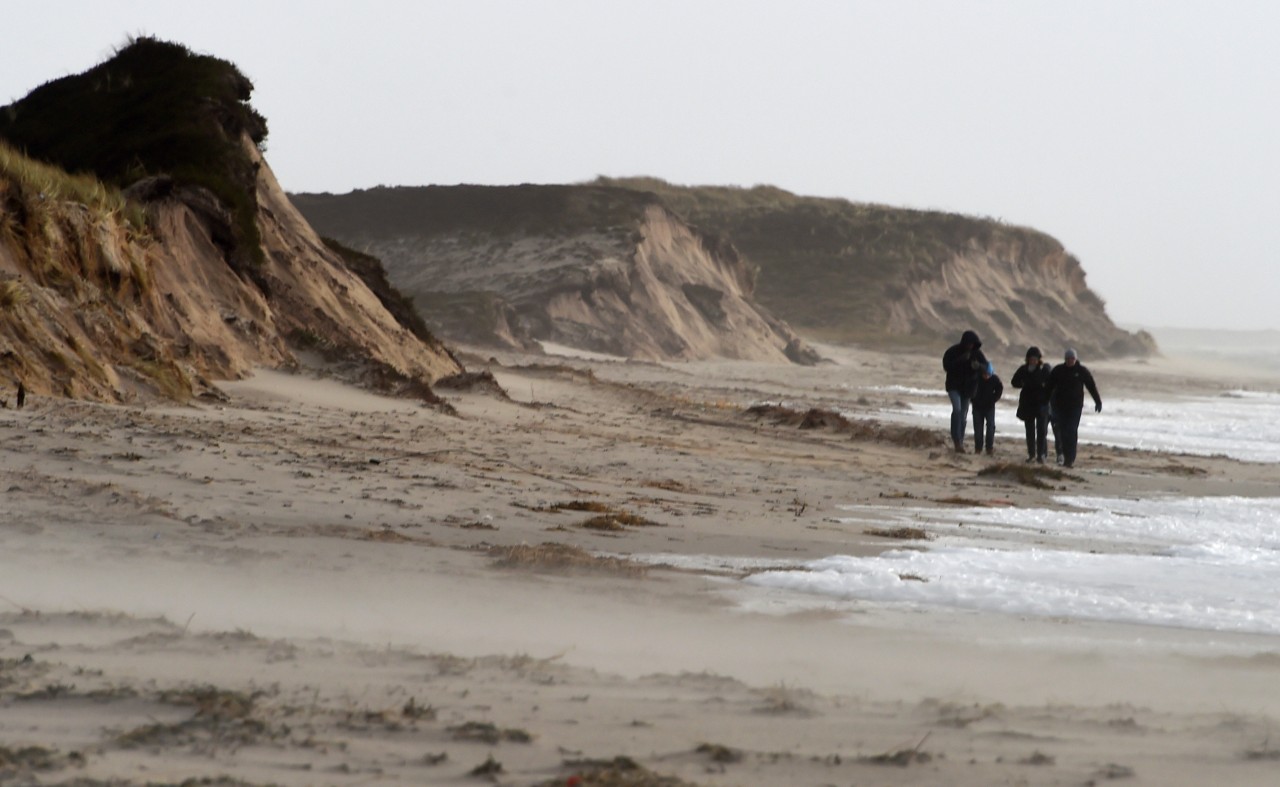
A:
x: 305, y: 584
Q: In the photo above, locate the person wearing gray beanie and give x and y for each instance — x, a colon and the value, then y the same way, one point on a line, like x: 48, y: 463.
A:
x: 1067, y: 383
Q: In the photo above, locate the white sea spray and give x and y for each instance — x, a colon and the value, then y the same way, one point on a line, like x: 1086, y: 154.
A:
x: 1205, y: 563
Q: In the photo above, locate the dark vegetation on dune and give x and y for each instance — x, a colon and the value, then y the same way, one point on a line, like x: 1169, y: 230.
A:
x: 154, y: 112
x: 426, y: 211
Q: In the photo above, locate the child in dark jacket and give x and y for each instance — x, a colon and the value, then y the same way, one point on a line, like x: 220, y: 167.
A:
x: 990, y: 389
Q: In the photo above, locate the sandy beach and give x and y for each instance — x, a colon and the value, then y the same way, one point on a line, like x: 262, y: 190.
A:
x: 308, y: 584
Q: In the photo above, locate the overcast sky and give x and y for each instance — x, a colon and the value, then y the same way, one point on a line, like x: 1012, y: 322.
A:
x: 1143, y: 135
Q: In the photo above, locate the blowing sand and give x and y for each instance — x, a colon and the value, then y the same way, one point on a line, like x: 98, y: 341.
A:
x: 307, y: 584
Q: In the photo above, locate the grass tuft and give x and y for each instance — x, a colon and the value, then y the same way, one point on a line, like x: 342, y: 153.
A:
x: 47, y: 182
x: 13, y: 294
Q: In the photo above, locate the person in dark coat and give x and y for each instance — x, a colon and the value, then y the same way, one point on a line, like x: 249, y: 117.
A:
x: 963, y: 364
x: 1033, y: 403
x: 989, y: 391
x: 1067, y: 384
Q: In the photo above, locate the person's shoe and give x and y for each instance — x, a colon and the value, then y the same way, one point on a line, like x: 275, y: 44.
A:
x: 959, y: 446
x: 1068, y: 465
x: 1040, y: 460
x: 1030, y: 459
x: 1060, y: 460
x: 991, y: 452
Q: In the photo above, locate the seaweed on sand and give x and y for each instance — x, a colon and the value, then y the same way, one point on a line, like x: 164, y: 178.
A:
x: 857, y: 428
x: 621, y: 771
x: 900, y: 757
x: 486, y: 732
x: 607, y: 517
x: 550, y: 556
x: 1033, y: 476
x: 904, y: 533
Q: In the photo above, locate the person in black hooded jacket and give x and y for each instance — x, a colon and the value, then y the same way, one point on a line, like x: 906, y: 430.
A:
x: 963, y: 364
x: 1033, y: 403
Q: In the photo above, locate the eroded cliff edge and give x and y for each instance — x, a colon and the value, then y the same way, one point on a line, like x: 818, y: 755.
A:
x: 596, y: 268
x: 882, y: 276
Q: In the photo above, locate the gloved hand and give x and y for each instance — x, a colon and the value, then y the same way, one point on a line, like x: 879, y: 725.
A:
x: 1097, y: 407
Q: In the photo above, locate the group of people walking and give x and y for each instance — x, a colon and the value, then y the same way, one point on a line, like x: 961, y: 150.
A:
x: 1050, y: 398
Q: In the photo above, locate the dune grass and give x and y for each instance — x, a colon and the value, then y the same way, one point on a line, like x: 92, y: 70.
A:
x: 13, y: 293
x: 47, y: 182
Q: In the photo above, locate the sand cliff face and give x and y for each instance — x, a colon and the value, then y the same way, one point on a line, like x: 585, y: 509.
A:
x: 643, y: 284
x: 874, y: 275
x: 92, y: 307
x: 1013, y: 299
x: 743, y: 270
x: 313, y: 291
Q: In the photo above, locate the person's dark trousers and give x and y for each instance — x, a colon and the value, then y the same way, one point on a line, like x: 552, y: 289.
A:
x: 1068, y: 434
x: 984, y: 427
x: 1037, y: 434
x: 959, y: 415
x: 1053, y: 426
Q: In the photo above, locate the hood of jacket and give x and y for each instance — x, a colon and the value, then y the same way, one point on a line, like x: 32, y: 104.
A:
x: 970, y: 337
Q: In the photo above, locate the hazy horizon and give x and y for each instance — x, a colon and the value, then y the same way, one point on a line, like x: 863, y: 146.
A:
x: 1140, y: 134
